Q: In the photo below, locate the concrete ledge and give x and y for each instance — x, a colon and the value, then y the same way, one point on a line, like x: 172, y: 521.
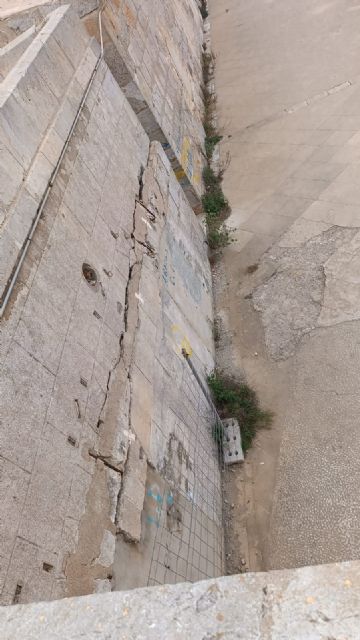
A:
x: 315, y: 603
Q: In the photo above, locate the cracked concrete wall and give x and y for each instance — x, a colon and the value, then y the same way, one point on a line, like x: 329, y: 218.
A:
x: 60, y: 340
x: 174, y: 312
x: 116, y: 282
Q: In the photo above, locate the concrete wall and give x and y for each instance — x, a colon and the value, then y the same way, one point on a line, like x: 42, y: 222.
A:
x: 10, y: 53
x: 154, y: 51
x: 101, y: 418
x: 168, y: 411
x: 38, y: 102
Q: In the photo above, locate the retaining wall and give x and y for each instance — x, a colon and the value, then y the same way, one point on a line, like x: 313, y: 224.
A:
x: 100, y: 417
x: 154, y: 50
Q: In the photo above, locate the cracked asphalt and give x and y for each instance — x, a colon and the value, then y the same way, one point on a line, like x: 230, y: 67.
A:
x: 288, y: 84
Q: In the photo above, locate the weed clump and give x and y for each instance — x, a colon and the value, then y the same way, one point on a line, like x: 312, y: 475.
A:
x: 203, y: 9
x: 235, y: 399
x: 215, y: 205
x: 216, y: 208
x: 214, y: 202
x: 210, y: 144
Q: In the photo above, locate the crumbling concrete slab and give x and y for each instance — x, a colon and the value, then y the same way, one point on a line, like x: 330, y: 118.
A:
x: 132, y: 494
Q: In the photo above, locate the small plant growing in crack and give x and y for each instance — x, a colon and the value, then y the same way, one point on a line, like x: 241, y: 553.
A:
x: 215, y: 204
x: 203, y: 9
x: 234, y: 399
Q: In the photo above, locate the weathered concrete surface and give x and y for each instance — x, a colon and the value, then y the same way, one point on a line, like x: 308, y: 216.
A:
x: 155, y: 52
x: 61, y: 340
x: 10, y: 53
x: 314, y: 603
x: 39, y: 98
x: 179, y: 531
x: 289, y: 99
x: 115, y: 284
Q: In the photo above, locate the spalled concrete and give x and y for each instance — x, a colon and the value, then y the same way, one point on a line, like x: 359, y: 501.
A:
x: 291, y: 299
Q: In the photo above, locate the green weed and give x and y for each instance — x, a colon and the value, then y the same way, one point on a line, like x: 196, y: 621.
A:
x: 210, y: 144
x: 238, y: 400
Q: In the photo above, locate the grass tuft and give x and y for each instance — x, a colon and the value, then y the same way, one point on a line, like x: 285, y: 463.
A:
x: 210, y: 144
x: 215, y: 205
x: 237, y: 400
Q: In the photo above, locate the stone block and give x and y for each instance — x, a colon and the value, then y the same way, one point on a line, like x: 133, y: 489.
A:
x: 71, y: 390
x: 132, y: 493
x: 232, y: 448
x: 11, y: 176
x: 39, y: 177
x: 54, y: 67
x: 108, y: 351
x: 46, y: 503
x: 141, y: 407
x: 14, y: 482
x: 64, y: 26
x: 21, y: 217
x: 31, y: 573
x: 80, y: 485
x: 47, y: 312
x: 25, y: 392
x: 9, y: 250
x: 19, y: 133
x: 82, y: 195
x: 86, y: 320
x: 101, y: 249
x: 107, y: 550
x: 96, y: 396
x: 10, y: 53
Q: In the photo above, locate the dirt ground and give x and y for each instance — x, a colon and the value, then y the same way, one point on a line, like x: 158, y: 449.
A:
x: 287, y: 81
x: 249, y: 486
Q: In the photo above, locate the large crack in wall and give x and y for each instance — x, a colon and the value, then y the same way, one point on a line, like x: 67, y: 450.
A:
x: 104, y: 514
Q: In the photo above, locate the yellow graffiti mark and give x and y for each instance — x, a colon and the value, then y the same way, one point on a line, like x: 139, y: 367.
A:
x: 186, y: 347
x: 180, y: 173
x: 186, y: 148
x: 190, y: 161
x: 197, y: 171
x: 182, y: 342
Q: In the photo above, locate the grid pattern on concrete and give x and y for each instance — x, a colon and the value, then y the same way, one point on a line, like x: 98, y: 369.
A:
x: 188, y: 543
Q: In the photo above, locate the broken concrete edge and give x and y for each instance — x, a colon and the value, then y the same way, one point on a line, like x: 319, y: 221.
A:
x: 315, y: 602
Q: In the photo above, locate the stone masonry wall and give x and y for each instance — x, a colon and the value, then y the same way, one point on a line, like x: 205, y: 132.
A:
x: 99, y: 413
